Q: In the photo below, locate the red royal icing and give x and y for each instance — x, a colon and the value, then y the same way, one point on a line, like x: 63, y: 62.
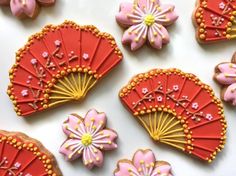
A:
x: 60, y: 64
x: 23, y: 156
x: 215, y: 20
x: 192, y: 103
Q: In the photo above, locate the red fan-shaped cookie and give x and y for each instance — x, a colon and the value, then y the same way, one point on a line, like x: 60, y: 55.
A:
x: 215, y: 20
x: 177, y: 109
x: 60, y: 64
x: 24, y: 156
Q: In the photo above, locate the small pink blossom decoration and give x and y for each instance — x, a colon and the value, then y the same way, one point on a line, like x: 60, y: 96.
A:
x: 143, y: 164
x: 146, y: 20
x: 27, y: 8
x: 87, y: 138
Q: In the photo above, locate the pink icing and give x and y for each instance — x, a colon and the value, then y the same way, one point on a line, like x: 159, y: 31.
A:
x: 148, y: 158
x: 93, y: 125
x: 133, y: 16
x: 19, y: 7
x: 25, y: 7
x: 46, y: 2
x: 226, y: 75
x: 143, y: 164
x: 165, y: 170
x: 230, y: 94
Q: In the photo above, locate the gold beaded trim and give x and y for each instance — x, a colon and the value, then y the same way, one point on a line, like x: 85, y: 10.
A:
x: 67, y: 24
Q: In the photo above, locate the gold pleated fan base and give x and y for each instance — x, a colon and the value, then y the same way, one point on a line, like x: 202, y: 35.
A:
x: 72, y: 87
x: 164, y: 127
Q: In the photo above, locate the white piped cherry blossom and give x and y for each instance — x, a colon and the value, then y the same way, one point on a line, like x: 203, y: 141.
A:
x: 85, y: 56
x: 17, y: 165
x: 209, y: 117
x: 159, y: 98
x: 195, y: 106
x: 45, y: 54
x: 24, y: 93
x: 175, y: 88
x: 222, y: 5
x: 57, y: 43
x: 34, y: 61
x: 144, y: 90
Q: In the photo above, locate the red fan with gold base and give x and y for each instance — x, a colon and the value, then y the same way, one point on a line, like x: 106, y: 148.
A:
x: 21, y: 155
x: 60, y: 64
x: 215, y: 20
x: 177, y: 109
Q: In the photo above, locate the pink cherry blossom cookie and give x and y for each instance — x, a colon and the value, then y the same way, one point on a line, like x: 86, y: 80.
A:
x: 26, y: 8
x: 225, y: 74
x: 143, y: 163
x: 146, y: 20
x: 87, y: 138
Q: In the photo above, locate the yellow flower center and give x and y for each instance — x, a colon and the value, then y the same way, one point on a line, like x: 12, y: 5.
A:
x: 149, y: 19
x: 86, y: 139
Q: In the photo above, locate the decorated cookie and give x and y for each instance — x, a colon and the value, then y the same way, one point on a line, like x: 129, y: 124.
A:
x: 225, y: 74
x: 87, y: 138
x: 24, y: 156
x: 60, y: 64
x: 215, y: 20
x: 26, y: 8
x: 177, y: 109
x: 144, y: 163
x: 146, y: 20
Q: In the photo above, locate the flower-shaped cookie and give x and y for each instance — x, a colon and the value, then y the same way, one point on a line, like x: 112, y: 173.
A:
x: 29, y: 8
x: 87, y: 137
x: 225, y: 74
x: 146, y: 19
x: 143, y: 164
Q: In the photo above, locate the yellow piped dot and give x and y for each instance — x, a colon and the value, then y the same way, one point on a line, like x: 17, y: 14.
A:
x: 149, y: 20
x: 86, y: 139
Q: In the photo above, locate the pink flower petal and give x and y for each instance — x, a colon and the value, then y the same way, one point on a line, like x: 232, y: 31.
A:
x: 170, y: 14
x: 92, y: 158
x: 28, y: 8
x: 66, y: 150
x: 147, y: 156
x: 96, y: 119
x: 226, y: 68
x: 132, y: 38
x: 106, y: 138
x: 144, y: 3
x: 222, y: 79
x: 124, y: 167
x: 164, y: 169
x: 158, y: 36
x: 46, y: 2
x: 122, y: 16
x: 229, y: 95
x: 71, y: 124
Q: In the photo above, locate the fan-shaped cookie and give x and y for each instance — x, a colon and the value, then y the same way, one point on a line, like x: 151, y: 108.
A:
x: 215, y: 20
x: 177, y: 109
x: 60, y: 64
x: 24, y: 156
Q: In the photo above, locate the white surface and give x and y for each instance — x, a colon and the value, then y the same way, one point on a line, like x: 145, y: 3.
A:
x: 183, y: 52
